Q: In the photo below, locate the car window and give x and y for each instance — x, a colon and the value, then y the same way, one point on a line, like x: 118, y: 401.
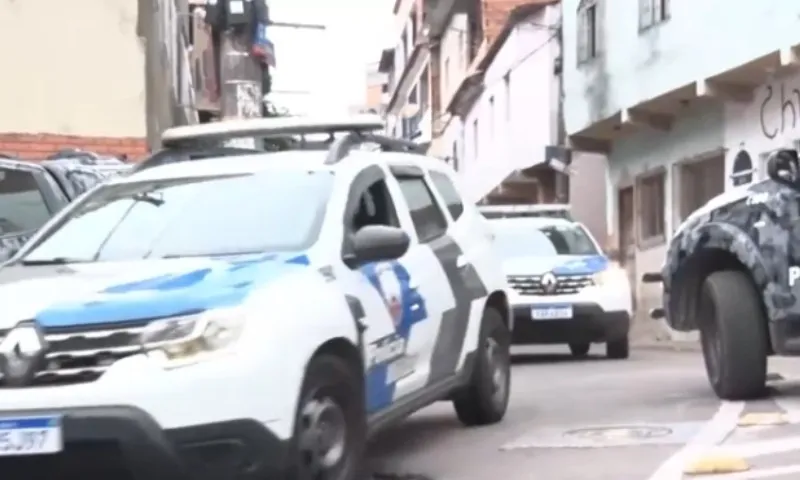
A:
x: 22, y: 206
x: 429, y: 220
x: 449, y: 193
x: 521, y: 240
x: 214, y: 215
x: 375, y: 207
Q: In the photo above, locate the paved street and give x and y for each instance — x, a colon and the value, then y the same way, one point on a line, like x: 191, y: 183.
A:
x: 661, y: 413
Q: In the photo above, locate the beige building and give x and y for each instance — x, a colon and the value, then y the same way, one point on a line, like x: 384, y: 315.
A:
x: 75, y: 75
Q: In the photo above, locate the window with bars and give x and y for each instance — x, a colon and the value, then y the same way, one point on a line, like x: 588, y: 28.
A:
x: 651, y: 205
x: 653, y: 12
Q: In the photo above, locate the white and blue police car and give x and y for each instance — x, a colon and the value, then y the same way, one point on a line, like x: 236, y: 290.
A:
x: 249, y: 315
x: 566, y: 291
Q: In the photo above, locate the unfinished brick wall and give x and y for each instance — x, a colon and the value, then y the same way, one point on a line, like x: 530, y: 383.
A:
x: 37, y: 146
x: 495, y: 14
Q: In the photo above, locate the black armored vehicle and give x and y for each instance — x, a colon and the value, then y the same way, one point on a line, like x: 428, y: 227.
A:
x: 732, y: 271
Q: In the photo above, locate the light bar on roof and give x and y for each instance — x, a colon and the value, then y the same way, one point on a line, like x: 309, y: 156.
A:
x: 270, y: 127
x: 552, y: 210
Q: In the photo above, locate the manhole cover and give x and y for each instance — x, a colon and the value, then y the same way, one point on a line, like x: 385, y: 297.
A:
x: 604, y: 436
x: 620, y: 433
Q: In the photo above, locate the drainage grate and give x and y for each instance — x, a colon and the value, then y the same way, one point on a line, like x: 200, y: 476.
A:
x: 604, y: 436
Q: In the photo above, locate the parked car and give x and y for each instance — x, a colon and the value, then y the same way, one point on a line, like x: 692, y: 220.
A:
x: 250, y: 317
x: 566, y: 290
x: 731, y: 271
x: 32, y: 192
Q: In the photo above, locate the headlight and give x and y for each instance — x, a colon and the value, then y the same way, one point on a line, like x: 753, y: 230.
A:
x: 613, y: 276
x: 186, y: 340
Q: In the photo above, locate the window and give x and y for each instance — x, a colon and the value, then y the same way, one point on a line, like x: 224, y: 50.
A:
x: 651, y: 208
x: 22, y: 207
x: 429, y: 221
x: 491, y: 117
x: 507, y: 90
x: 192, y: 217
x: 521, y: 239
x: 424, y: 90
x: 652, y: 12
x: 588, y: 30
x: 375, y: 208
x: 743, y: 169
x: 475, y: 143
x: 446, y: 75
x: 449, y: 193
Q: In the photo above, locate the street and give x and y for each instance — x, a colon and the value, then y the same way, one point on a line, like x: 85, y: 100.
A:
x: 650, y: 417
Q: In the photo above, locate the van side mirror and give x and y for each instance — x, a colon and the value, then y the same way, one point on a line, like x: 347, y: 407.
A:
x: 783, y: 167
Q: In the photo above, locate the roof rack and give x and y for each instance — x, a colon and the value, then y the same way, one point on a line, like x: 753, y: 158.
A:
x: 341, y: 147
x: 268, y: 128
x: 548, y: 210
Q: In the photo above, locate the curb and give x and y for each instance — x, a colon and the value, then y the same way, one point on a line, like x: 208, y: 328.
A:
x: 668, y: 346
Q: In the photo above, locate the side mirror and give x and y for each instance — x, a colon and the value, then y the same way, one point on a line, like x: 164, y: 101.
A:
x: 375, y: 243
x: 783, y: 167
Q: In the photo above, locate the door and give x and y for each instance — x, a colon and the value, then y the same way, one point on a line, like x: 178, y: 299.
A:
x: 627, y: 237
x: 395, y: 310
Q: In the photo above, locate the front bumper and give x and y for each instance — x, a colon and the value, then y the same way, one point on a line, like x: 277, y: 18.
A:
x: 125, y: 443
x: 589, y: 324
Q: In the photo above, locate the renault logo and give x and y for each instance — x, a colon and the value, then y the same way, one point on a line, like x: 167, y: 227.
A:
x: 22, y: 353
x: 549, y: 282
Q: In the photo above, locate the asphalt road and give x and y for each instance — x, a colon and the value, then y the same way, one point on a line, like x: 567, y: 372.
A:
x: 650, y: 417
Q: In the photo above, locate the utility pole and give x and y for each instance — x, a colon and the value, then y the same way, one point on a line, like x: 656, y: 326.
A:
x: 242, y: 75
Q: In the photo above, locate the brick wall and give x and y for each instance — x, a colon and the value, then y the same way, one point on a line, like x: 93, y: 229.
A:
x: 37, y: 146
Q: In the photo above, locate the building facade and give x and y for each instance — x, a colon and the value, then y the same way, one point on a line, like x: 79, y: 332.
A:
x: 505, y: 122
x: 685, y: 108
x: 96, y: 85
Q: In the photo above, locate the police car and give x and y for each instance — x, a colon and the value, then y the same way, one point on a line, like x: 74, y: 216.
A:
x: 565, y: 289
x: 254, y: 316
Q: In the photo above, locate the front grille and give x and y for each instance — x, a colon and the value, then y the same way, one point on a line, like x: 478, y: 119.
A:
x: 82, y: 355
x: 532, y: 284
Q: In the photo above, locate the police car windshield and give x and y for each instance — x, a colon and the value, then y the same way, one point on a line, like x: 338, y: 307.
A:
x: 216, y: 215
x: 524, y: 240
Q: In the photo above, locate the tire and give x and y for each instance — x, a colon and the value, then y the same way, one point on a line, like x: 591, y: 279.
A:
x: 332, y: 389
x: 485, y: 399
x: 734, y: 336
x: 579, y: 349
x: 618, y: 349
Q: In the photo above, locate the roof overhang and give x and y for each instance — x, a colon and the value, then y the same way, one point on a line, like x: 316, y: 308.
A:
x: 737, y: 84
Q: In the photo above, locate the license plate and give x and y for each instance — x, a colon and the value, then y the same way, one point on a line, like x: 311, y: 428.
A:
x: 554, y: 312
x: 30, y: 436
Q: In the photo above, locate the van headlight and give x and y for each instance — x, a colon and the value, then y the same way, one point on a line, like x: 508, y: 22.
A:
x: 185, y: 340
x: 613, y: 276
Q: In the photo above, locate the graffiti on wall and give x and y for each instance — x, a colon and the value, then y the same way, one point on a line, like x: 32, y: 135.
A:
x: 785, y: 100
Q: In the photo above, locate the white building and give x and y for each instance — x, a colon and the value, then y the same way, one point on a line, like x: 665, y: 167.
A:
x: 505, y: 127
x: 673, y: 92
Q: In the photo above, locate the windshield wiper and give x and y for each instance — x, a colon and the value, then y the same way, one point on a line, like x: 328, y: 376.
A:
x: 53, y: 261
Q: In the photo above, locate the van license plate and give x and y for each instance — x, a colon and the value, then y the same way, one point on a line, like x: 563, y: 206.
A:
x: 559, y: 312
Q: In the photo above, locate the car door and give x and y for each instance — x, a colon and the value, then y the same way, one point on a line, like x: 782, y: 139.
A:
x: 454, y: 286
x: 389, y: 292
x: 461, y: 250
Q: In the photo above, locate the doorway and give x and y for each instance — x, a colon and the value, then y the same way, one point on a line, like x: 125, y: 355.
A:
x: 700, y: 181
x: 627, y: 235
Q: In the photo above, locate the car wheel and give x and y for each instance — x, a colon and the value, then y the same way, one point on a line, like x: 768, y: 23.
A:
x: 330, y: 426
x: 485, y: 399
x: 618, y: 349
x: 579, y: 349
x: 733, y: 336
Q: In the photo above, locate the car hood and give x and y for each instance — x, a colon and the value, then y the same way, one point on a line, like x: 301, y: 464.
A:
x: 77, y: 295
x: 558, y: 264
